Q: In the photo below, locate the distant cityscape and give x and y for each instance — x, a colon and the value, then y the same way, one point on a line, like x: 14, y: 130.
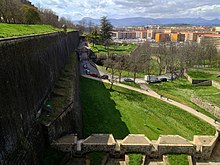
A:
x: 168, y: 34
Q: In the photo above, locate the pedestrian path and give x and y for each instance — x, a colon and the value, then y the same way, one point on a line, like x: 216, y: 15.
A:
x: 169, y: 101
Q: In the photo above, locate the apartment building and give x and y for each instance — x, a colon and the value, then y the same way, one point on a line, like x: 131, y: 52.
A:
x: 162, y: 37
x: 210, y: 38
x: 124, y: 35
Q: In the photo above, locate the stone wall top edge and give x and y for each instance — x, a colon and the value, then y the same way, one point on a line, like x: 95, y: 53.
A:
x: 17, y: 38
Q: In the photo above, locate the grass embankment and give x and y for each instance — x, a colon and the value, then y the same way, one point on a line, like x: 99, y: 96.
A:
x: 202, y: 75
x: 181, y: 90
x: 122, y: 112
x: 207, y: 69
x: 12, y: 30
x: 101, y: 50
x: 178, y: 159
x: 61, y: 96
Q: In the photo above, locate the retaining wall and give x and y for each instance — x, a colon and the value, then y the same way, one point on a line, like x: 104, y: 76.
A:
x: 29, y: 66
x: 211, y: 108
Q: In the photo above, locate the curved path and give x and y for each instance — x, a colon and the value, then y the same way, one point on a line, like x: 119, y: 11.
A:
x: 155, y: 95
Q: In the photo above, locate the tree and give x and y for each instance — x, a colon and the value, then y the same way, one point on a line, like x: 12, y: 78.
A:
x: 120, y: 64
x: 10, y: 11
x: 110, y: 63
x: 49, y: 17
x: 106, y: 28
x: 31, y: 15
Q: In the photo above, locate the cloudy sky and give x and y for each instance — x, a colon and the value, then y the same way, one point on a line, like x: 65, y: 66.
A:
x: 77, y: 9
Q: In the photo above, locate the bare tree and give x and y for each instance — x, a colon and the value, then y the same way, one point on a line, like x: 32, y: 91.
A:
x: 110, y: 63
x: 120, y: 64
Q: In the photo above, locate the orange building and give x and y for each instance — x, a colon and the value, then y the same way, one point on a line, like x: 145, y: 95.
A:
x: 177, y: 37
x: 162, y: 37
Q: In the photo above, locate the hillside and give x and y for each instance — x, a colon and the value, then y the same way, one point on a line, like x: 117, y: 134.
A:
x: 11, y: 30
x: 140, y: 21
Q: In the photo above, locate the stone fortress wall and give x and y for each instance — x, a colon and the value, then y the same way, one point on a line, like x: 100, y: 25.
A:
x: 29, y: 66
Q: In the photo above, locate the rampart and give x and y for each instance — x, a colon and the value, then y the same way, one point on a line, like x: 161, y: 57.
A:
x: 201, y: 147
x: 29, y: 67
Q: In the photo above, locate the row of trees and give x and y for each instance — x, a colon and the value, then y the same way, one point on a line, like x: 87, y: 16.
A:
x: 164, y: 58
x: 21, y: 11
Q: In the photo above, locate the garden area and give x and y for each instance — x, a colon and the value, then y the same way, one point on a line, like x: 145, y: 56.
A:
x: 101, y: 50
x: 122, y: 112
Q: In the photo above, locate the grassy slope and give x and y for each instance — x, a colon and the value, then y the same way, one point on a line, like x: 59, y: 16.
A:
x: 181, y: 91
x: 207, y: 69
x: 202, y: 75
x: 11, y: 30
x: 123, y: 111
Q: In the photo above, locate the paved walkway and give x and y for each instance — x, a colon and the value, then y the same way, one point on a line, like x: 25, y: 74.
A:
x: 155, y: 95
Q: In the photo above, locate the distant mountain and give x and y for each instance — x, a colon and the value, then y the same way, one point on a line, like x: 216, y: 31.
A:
x: 140, y: 21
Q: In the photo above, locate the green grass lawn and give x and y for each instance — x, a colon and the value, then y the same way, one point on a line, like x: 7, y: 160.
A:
x: 135, y: 159
x: 181, y: 90
x: 178, y: 159
x: 208, y: 69
x: 122, y: 112
x: 120, y: 49
x: 11, y: 30
x: 202, y: 75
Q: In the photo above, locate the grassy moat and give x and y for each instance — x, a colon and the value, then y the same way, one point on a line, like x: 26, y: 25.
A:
x: 122, y: 112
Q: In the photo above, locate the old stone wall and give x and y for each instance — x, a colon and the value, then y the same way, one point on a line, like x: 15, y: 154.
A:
x: 28, y: 68
x: 201, y: 147
x: 213, y: 109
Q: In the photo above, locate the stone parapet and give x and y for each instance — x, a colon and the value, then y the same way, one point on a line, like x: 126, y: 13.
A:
x: 201, y: 147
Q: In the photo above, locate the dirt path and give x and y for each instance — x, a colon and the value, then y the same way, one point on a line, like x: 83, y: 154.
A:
x: 169, y: 101
x: 207, y: 71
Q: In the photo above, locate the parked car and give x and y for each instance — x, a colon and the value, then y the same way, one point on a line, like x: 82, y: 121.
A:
x: 85, y: 66
x: 93, y: 75
x: 104, y: 76
x: 128, y: 80
x: 163, y: 79
x: 87, y: 71
x: 151, y: 79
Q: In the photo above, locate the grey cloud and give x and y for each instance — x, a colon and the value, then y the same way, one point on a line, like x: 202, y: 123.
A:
x: 134, y: 8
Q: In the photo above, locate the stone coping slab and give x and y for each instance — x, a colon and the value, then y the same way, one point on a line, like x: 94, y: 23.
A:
x: 173, y: 140
x: 204, y: 140
x: 100, y: 139
x: 69, y: 139
x: 134, y: 139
